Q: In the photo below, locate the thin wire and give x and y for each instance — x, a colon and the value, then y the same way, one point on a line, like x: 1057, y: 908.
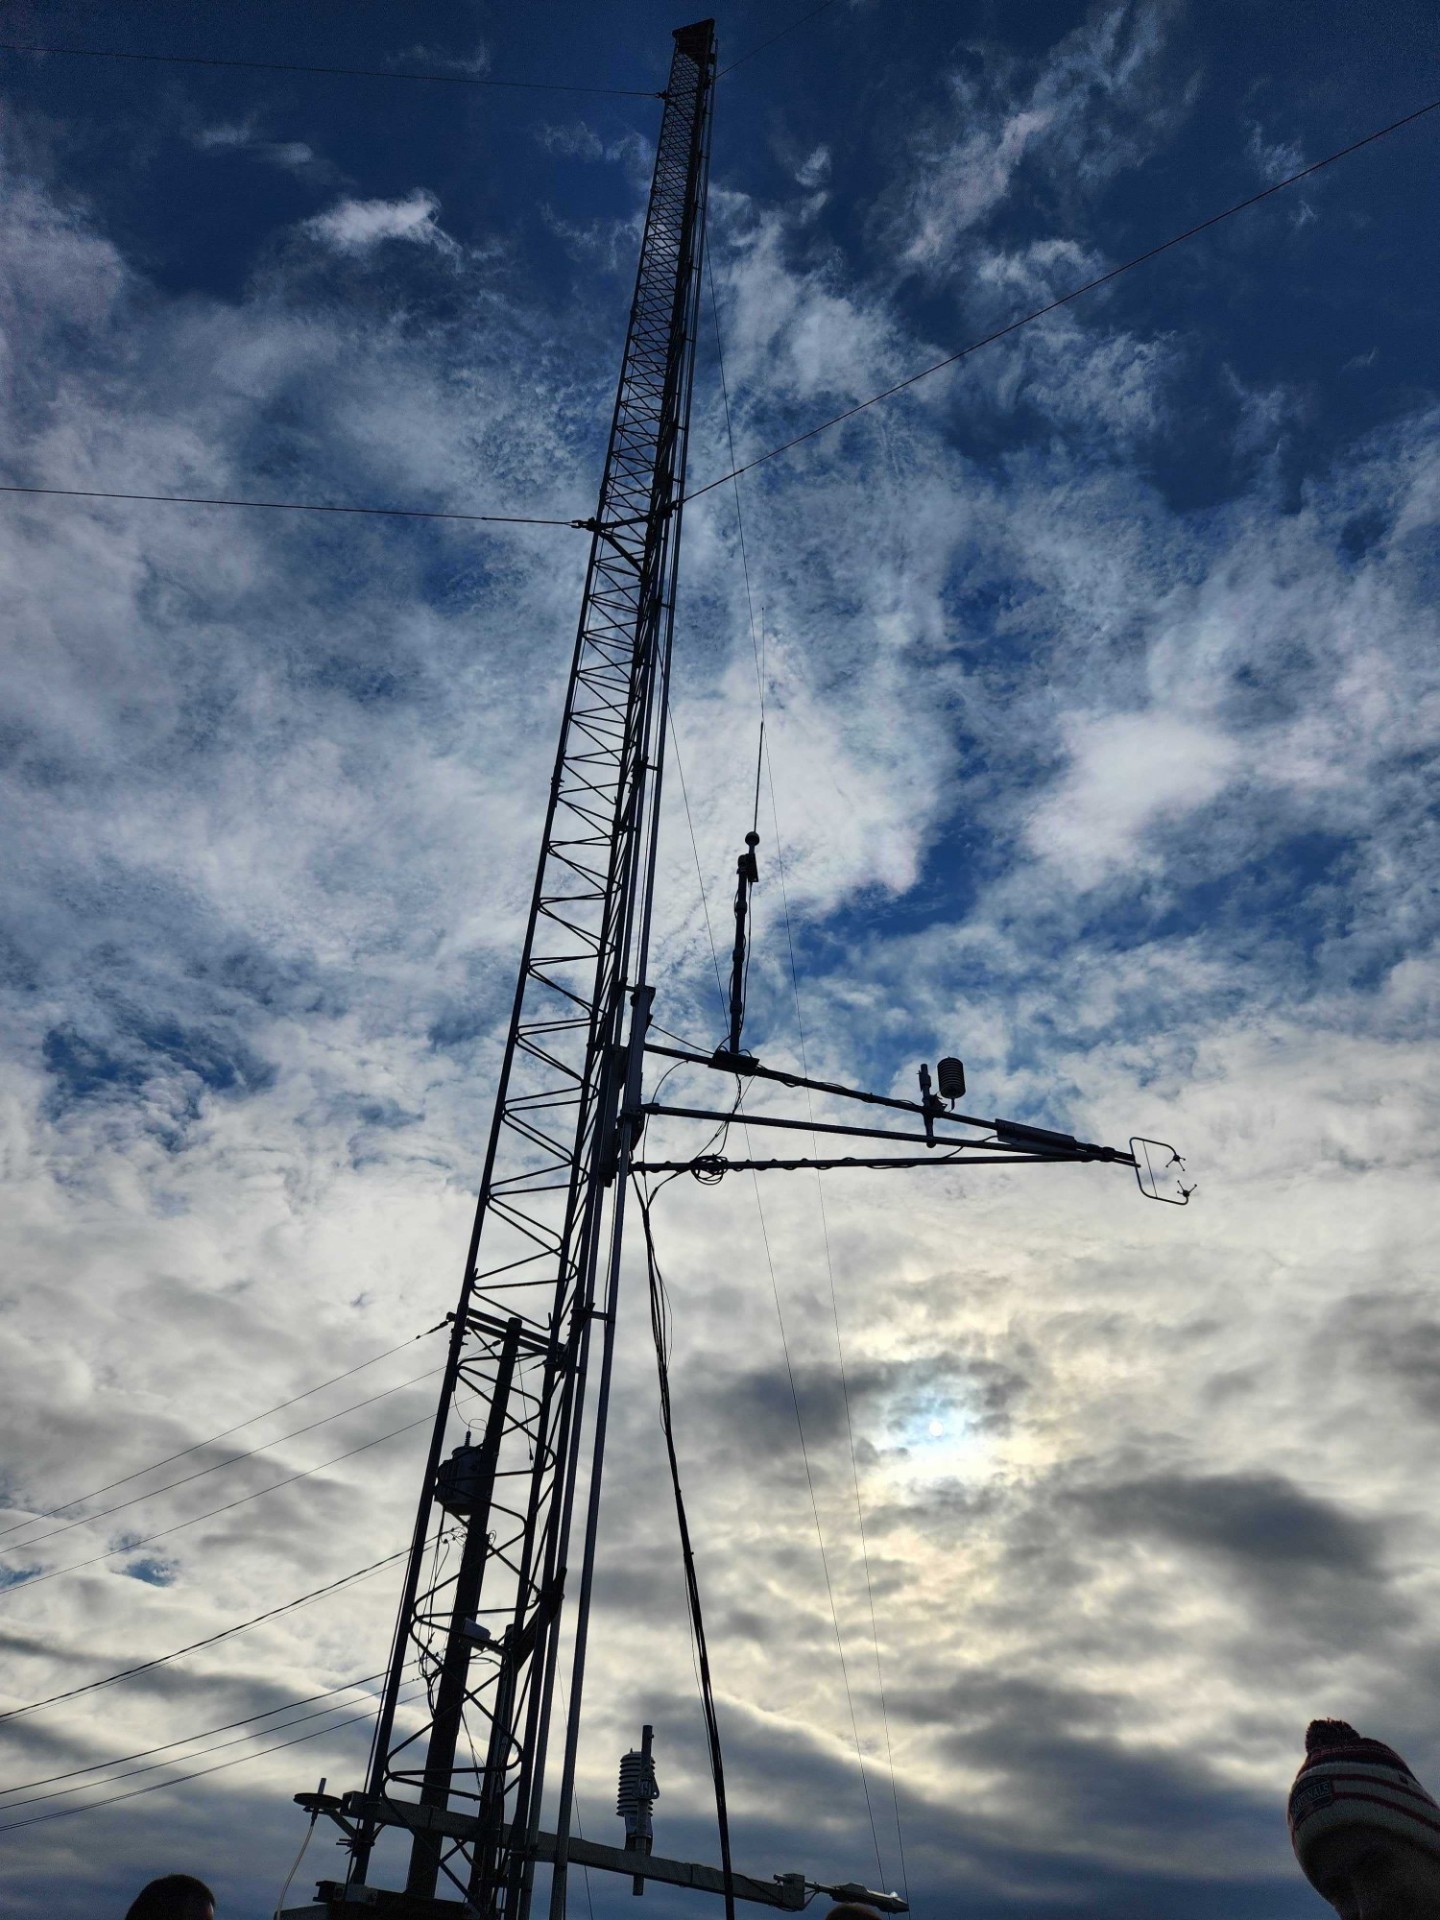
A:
x: 815, y: 1510
x: 38, y: 1579
x: 839, y: 1347
x: 699, y: 871
x: 585, y: 1869
x: 218, y: 1466
x: 750, y: 55
x: 762, y: 760
x: 188, y: 1740
x: 690, y: 1046
x: 94, y: 1494
x: 1075, y: 293
x: 210, y: 1640
x: 292, y: 506
x: 575, y: 1796
x: 180, y: 1780
x: 295, y: 1863
x: 744, y: 556
x: 352, y: 73
x: 129, y: 1773
x: 760, y: 746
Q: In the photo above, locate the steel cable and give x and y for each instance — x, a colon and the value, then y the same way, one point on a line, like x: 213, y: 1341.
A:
x: 180, y: 1780
x: 349, y: 73
x: 194, y: 1740
x: 250, y: 1453
x: 291, y: 506
x: 53, y: 1513
x: 163, y: 1533
x: 209, y: 1640
x: 208, y: 1733
x: 1075, y: 293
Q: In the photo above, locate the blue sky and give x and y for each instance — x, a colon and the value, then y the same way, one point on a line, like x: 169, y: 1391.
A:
x: 1102, y: 702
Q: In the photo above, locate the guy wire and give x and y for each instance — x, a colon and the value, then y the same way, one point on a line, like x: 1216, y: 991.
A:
x: 839, y: 1348
x: 762, y: 760
x: 740, y: 530
x: 53, y: 1513
x: 699, y: 870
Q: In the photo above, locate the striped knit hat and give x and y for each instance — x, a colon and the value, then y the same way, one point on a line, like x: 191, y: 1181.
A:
x: 1348, y: 1781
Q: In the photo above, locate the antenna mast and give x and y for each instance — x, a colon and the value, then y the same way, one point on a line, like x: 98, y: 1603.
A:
x: 490, y: 1561
x: 489, y: 1564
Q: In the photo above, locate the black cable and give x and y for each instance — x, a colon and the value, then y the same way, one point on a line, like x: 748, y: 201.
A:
x: 210, y: 1640
x: 1089, y: 286
x: 658, y: 1312
x: 293, y: 506
x: 130, y: 1546
x: 194, y: 1740
x: 691, y: 1046
x: 353, y: 73
x: 218, y: 1466
x: 144, y: 1753
x: 54, y: 1513
x: 181, y: 1779
x: 750, y: 54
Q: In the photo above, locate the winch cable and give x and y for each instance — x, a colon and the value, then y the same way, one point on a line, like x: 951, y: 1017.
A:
x: 699, y: 870
x: 658, y: 1315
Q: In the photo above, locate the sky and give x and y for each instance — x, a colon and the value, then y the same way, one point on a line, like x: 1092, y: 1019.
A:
x: 1033, y: 1521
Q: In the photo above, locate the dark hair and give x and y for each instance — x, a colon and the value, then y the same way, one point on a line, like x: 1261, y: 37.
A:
x: 851, y: 1912
x: 178, y: 1896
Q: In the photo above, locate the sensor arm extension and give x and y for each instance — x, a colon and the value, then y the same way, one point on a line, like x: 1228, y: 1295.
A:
x: 1010, y: 1140
x: 988, y: 1143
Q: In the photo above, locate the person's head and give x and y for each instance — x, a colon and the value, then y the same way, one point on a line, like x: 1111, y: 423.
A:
x: 851, y: 1912
x: 1366, y: 1833
x: 178, y: 1896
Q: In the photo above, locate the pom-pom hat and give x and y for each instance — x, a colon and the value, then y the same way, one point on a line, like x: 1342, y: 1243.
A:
x: 1348, y: 1781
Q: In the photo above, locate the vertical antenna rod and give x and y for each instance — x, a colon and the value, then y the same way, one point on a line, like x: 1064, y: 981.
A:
x: 747, y: 875
x: 480, y: 1607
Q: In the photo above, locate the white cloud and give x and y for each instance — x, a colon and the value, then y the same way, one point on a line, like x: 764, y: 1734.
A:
x: 421, y: 55
x: 1273, y: 159
x: 291, y: 156
x: 814, y: 170
x: 1125, y: 771
x: 270, y: 808
x: 1084, y: 112
x: 355, y: 226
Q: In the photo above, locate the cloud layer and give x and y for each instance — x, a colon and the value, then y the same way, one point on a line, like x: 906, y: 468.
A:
x: 1097, y: 759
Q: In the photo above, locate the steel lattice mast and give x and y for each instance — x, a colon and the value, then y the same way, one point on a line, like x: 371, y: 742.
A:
x: 481, y: 1606
x: 488, y: 1569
